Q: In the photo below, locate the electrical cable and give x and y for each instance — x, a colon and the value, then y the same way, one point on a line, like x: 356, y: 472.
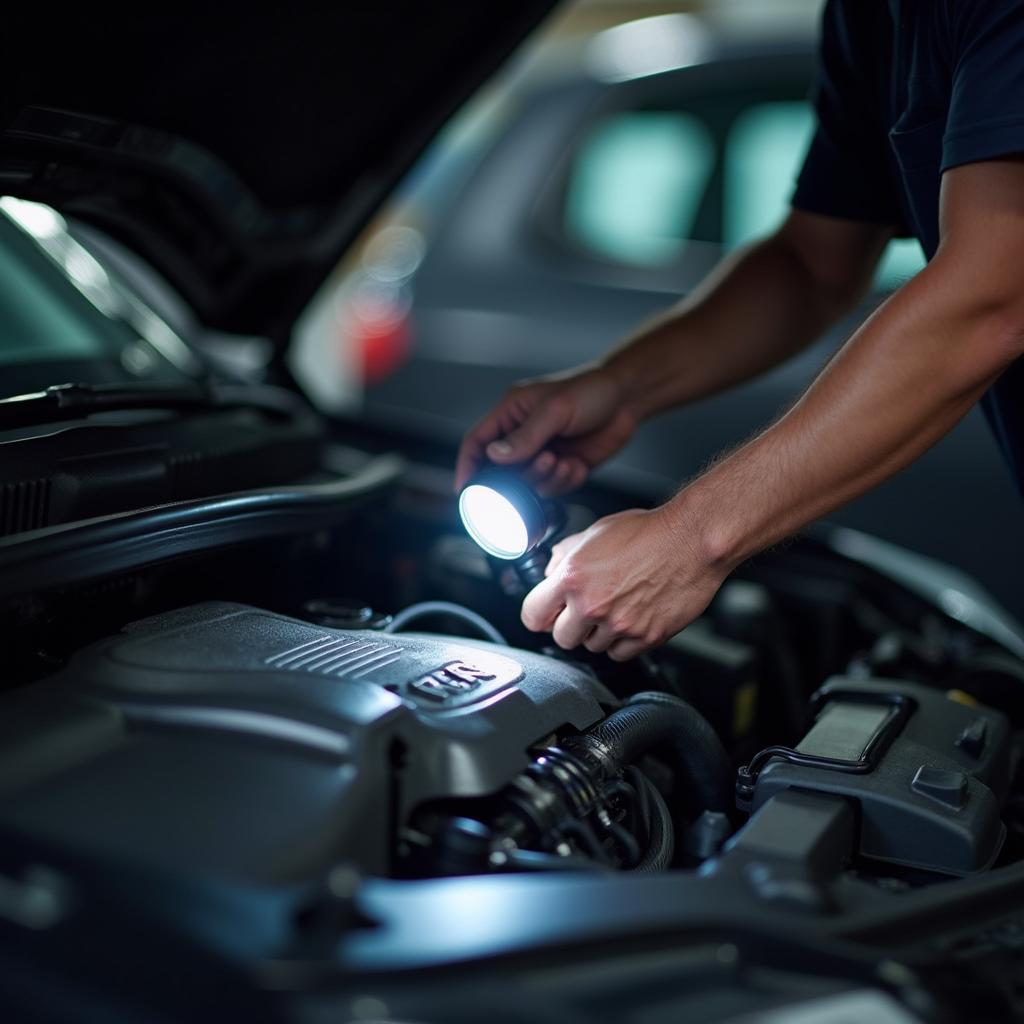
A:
x: 457, y: 611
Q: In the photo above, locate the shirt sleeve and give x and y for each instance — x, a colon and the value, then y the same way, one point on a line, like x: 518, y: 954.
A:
x: 986, y: 110
x: 847, y: 171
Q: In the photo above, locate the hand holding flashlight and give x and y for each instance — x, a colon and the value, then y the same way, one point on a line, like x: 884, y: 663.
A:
x: 554, y: 429
x: 624, y: 585
x: 627, y: 584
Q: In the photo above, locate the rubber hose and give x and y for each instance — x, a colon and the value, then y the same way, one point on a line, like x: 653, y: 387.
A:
x: 658, y: 720
x: 661, y: 842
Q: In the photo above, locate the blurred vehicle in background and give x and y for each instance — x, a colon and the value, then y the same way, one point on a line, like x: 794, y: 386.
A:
x: 592, y: 186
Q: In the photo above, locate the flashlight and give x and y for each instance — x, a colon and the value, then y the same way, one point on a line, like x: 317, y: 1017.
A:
x: 510, y: 522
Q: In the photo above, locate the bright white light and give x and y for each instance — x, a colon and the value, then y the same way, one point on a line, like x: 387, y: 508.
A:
x: 493, y: 522
x: 35, y: 218
x: 83, y: 268
x: 647, y: 46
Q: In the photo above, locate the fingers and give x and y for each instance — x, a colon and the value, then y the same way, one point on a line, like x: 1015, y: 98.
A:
x: 523, y: 442
x: 576, y: 471
x: 566, y: 475
x: 612, y: 588
x: 532, y: 415
x: 543, y: 605
x: 551, y: 475
x: 570, y: 630
x: 514, y: 431
x: 623, y: 650
x: 537, y: 473
x: 471, y: 451
x: 599, y: 639
x: 466, y: 463
x: 559, y: 551
x: 546, y: 610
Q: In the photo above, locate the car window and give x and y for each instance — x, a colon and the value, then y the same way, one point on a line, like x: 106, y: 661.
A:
x: 636, y: 185
x: 638, y: 180
x: 41, y: 316
x: 901, y: 261
x: 763, y: 153
x: 61, y: 314
x: 35, y: 324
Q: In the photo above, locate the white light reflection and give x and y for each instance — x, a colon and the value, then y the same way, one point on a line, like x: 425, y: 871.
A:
x: 87, y: 274
x: 647, y: 46
x: 493, y: 522
x: 82, y: 268
x: 38, y: 220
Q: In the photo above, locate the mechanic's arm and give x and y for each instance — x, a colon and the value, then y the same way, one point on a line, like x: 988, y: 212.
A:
x: 898, y: 385
x: 760, y: 306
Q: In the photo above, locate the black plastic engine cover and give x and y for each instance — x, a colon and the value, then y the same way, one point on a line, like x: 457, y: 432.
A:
x: 231, y: 740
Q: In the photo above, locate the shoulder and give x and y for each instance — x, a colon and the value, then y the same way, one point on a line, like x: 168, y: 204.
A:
x: 967, y: 23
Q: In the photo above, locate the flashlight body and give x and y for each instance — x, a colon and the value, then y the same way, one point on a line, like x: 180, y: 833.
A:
x: 530, y: 568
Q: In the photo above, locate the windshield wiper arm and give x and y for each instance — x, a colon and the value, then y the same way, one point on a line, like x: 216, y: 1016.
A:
x: 73, y: 401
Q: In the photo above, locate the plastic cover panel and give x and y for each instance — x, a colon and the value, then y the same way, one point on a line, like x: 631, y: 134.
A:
x: 231, y: 740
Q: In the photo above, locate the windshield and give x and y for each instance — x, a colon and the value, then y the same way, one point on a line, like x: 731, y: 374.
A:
x: 61, y: 316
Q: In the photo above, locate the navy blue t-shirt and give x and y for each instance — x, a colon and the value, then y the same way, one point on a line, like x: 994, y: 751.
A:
x: 906, y: 90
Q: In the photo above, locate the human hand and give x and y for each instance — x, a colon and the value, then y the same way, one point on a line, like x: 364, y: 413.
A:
x: 627, y: 584
x: 561, y: 427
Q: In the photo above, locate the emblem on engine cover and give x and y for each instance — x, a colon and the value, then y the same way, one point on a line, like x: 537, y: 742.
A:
x: 451, y: 680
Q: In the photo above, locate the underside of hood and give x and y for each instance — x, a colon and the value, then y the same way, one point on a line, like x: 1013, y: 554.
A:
x: 237, y: 148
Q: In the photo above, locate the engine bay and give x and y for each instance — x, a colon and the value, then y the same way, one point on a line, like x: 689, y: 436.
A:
x: 418, y: 755
x: 822, y: 748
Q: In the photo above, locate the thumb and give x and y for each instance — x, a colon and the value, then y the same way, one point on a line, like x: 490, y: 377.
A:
x: 526, y: 440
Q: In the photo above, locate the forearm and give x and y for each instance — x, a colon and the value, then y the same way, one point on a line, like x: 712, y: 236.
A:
x: 901, y: 382
x: 759, y: 307
x: 633, y: 580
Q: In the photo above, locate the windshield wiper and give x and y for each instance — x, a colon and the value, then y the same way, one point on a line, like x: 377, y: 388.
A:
x: 73, y: 401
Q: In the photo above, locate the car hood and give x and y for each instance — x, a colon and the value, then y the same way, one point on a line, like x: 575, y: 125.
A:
x: 239, y: 149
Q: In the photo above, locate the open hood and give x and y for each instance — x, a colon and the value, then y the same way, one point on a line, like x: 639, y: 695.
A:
x: 238, y: 148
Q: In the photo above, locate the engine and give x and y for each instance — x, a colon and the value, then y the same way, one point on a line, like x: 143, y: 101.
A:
x: 226, y: 740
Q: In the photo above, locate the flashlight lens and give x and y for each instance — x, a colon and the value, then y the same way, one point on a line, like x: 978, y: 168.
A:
x: 493, y: 522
